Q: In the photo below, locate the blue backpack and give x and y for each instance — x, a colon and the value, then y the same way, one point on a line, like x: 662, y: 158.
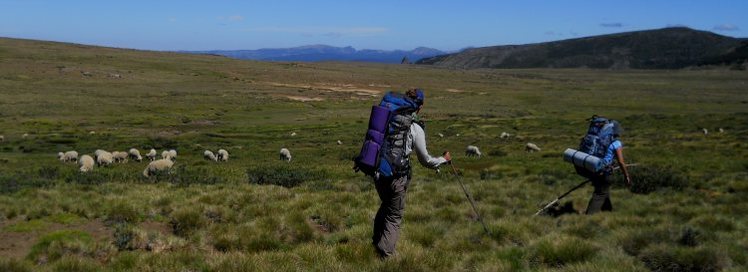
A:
x: 600, y: 135
x: 383, y: 151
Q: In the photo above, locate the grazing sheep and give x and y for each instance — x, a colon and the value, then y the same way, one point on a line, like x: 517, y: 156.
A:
x: 99, y: 152
x: 457, y: 135
x: 285, y: 154
x: 706, y: 132
x: 104, y: 158
x: 91, y: 132
x: 70, y: 156
x: 119, y: 157
x: 25, y: 135
x: 171, y: 154
x: 440, y: 135
x: 339, y: 142
x: 208, y: 155
x: 156, y: 166
x: 151, y: 155
x: 2, y: 138
x: 472, y: 151
x: 530, y: 147
x: 293, y: 134
x: 223, y: 155
x: 505, y: 135
x: 86, y: 163
x: 135, y: 155
x: 720, y: 131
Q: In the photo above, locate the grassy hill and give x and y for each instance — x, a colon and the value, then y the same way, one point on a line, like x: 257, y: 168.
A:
x: 668, y: 48
x: 315, y: 213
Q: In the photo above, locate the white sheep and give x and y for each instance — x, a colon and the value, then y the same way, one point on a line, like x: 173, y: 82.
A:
x: 339, y: 142
x: 223, y: 155
x: 2, y: 138
x: 69, y: 156
x: 440, y: 135
x: 151, y: 155
x: 99, y: 152
x: 530, y: 147
x: 86, y: 163
x: 173, y: 154
x: 156, y: 166
x: 119, y: 157
x: 25, y: 135
x: 720, y: 131
x: 472, y: 151
x: 104, y: 158
x: 505, y: 135
x: 135, y: 155
x: 285, y: 154
x: 208, y: 155
x: 706, y: 132
x: 293, y: 134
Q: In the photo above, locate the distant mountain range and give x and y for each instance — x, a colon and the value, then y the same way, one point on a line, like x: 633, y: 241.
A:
x: 325, y: 53
x: 668, y: 48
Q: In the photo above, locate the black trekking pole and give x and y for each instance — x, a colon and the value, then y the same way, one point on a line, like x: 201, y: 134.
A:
x: 562, y: 196
x: 574, y: 189
x: 472, y: 203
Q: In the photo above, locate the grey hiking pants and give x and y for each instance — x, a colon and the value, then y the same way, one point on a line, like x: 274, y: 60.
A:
x: 600, y: 200
x: 390, y: 215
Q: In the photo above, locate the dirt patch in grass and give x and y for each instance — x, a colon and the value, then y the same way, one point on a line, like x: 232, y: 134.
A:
x: 303, y: 98
x: 154, y: 226
x: 16, y: 245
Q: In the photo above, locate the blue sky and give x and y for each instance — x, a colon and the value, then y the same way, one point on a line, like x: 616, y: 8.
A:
x: 381, y: 24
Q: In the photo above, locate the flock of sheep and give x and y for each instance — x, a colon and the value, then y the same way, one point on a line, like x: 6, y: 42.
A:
x: 103, y: 158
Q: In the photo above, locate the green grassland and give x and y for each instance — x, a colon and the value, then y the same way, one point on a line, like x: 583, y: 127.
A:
x: 256, y: 213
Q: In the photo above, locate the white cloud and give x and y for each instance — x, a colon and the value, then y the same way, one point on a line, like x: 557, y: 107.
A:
x: 726, y: 27
x: 333, y: 32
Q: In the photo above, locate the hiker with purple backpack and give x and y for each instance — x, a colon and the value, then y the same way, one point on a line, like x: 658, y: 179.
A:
x: 395, y: 131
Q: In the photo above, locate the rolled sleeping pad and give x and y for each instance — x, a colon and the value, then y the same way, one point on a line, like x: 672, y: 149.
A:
x: 584, y: 160
x: 370, y: 153
x: 378, y: 118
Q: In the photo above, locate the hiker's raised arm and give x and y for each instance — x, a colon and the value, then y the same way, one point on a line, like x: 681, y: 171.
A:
x: 419, y: 146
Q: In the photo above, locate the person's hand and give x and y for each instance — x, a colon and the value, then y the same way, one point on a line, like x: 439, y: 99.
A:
x: 628, y: 181
x: 447, y: 156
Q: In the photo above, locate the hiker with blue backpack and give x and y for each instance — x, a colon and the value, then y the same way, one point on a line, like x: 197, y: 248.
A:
x: 594, y: 160
x: 395, y: 131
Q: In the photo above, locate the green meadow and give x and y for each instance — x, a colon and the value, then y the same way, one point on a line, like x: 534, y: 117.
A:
x: 685, y: 212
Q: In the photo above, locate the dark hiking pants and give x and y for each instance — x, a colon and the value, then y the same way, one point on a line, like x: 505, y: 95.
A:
x: 600, y: 200
x: 390, y: 215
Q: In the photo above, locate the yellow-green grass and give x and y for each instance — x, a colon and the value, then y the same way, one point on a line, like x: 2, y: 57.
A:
x: 214, y: 217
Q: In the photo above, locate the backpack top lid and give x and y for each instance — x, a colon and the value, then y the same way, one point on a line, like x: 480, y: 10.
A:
x: 399, y: 102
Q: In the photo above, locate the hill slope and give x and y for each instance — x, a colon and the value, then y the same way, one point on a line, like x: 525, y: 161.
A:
x: 668, y: 48
x: 325, y: 53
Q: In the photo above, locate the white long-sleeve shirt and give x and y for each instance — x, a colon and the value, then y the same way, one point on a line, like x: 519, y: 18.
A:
x: 417, y: 141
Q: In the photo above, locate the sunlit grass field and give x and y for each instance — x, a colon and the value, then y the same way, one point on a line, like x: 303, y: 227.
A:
x: 686, y: 212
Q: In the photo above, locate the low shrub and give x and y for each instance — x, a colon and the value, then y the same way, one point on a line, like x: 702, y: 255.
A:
x: 121, y: 212
x: 648, y: 179
x: 665, y: 258
x: 283, y: 175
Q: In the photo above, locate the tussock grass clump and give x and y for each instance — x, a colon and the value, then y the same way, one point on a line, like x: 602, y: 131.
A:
x: 14, y: 265
x: 648, y: 179
x: 666, y: 258
x: 121, y: 211
x: 558, y: 251
x: 70, y: 263
x: 61, y: 243
x: 186, y: 220
x: 283, y: 175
